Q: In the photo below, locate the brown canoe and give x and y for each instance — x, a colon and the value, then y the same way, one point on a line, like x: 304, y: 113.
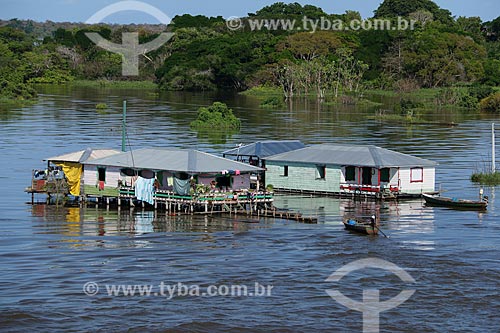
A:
x: 359, y: 226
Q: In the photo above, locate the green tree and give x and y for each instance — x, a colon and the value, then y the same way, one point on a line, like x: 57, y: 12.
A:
x: 491, y: 103
x: 492, y: 72
x: 289, y: 11
x: 13, y: 75
x: 492, y: 29
x: 308, y: 46
x: 217, y: 117
x: 198, y: 21
x: 394, y: 8
x: 64, y: 37
x: 435, y: 58
x: 471, y: 26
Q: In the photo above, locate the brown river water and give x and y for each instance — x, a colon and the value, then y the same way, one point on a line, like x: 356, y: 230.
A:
x: 48, y: 254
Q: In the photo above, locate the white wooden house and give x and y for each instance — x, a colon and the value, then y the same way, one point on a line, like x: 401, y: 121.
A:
x: 347, y: 170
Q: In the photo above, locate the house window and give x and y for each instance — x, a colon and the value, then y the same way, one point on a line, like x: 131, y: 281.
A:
x: 366, y: 175
x: 223, y: 181
x: 350, y: 174
x: 385, y: 175
x: 285, y: 171
x: 101, y: 174
x: 321, y: 172
x: 417, y: 175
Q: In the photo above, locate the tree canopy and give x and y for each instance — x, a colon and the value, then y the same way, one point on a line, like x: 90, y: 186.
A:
x: 216, y: 117
x: 394, y: 8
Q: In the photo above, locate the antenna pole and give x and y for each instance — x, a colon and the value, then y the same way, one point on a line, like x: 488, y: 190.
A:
x: 493, y: 161
x: 124, y: 125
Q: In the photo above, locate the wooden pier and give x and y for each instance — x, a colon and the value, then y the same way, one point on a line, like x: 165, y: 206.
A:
x: 237, y: 203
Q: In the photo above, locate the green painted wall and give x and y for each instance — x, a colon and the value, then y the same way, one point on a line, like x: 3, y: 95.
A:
x: 94, y: 190
x: 302, y: 176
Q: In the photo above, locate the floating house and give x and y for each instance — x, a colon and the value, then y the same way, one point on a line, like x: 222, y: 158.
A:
x: 255, y: 153
x: 347, y: 170
x: 170, y: 176
x: 63, y: 174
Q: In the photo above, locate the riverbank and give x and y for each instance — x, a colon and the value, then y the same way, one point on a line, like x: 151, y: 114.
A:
x: 113, y: 84
x: 443, y: 106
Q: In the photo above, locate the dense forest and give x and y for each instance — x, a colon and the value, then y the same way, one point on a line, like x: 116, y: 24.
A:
x: 204, y: 54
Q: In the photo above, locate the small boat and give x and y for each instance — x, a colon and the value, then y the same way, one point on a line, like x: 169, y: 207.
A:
x: 434, y: 200
x: 359, y: 226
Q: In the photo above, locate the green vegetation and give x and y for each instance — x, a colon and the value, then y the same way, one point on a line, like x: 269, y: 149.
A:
x: 491, y: 103
x: 217, y: 117
x: 62, y: 57
x: 444, y: 62
x: 486, y: 178
x: 273, y: 103
x: 407, y: 118
x: 101, y: 106
x: 263, y: 92
x: 114, y: 84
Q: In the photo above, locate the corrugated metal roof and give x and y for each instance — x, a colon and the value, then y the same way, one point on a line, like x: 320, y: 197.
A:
x: 83, y: 155
x: 364, y: 156
x: 190, y: 161
x: 263, y: 149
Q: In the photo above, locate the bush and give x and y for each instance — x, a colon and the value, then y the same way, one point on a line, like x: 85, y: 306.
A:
x: 406, y: 106
x: 16, y: 90
x: 491, y: 103
x: 55, y: 76
x: 272, y: 103
x: 481, y: 92
x: 492, y: 179
x: 216, y: 117
x: 468, y: 101
x: 464, y: 97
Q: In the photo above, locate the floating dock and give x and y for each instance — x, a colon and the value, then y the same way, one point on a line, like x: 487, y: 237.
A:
x: 238, y: 203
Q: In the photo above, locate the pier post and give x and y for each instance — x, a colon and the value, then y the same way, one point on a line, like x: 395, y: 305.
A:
x: 493, y: 143
x: 124, y: 125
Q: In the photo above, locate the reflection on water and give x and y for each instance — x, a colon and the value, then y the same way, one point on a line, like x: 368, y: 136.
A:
x: 76, y: 221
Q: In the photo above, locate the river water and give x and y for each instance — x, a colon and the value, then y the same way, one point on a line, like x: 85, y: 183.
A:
x: 48, y: 254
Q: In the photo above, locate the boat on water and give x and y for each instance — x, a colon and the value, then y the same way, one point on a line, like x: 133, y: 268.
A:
x: 360, y: 226
x: 434, y: 200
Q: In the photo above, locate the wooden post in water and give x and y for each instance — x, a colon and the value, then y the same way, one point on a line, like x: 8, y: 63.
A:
x: 124, y: 125
x: 493, y: 161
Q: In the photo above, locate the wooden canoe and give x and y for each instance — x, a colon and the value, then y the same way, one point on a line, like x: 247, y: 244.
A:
x: 433, y: 200
x: 359, y: 226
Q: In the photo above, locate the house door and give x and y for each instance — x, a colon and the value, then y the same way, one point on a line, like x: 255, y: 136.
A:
x: 367, y: 176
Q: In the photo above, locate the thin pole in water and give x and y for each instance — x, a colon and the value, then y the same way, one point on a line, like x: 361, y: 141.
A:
x: 124, y: 125
x: 493, y: 162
